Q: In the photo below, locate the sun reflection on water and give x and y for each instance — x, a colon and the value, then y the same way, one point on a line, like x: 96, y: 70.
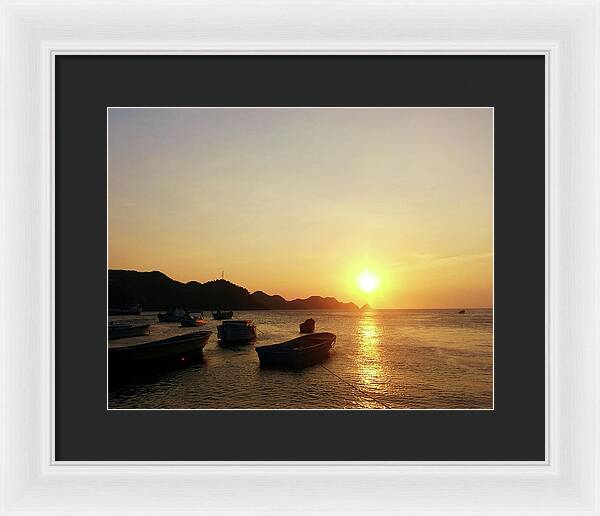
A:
x: 369, y: 360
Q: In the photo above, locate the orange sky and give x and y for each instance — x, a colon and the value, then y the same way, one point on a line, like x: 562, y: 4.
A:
x: 299, y: 202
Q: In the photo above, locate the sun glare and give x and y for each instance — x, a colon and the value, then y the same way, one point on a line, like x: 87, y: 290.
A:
x: 368, y: 282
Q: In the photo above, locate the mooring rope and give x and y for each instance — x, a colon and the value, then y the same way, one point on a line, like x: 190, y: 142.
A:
x: 355, y: 387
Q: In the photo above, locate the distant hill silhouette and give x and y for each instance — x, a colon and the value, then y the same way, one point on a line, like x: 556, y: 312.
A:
x: 156, y: 291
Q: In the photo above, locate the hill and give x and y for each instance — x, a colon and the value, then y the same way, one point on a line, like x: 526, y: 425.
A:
x: 156, y: 291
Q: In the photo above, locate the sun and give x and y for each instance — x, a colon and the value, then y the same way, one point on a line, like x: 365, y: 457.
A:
x: 367, y: 281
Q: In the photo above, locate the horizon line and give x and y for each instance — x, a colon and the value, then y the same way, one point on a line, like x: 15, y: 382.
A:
x: 460, y: 307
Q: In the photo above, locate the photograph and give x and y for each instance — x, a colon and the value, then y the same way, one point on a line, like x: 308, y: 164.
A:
x: 284, y: 257
x: 300, y: 258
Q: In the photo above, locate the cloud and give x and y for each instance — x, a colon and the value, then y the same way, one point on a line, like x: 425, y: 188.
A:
x: 422, y: 261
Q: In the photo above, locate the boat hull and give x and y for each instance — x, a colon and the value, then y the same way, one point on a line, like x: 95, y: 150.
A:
x: 236, y: 333
x: 297, y: 353
x: 134, y: 310
x: 187, y: 323
x: 169, y: 318
x: 123, y: 332
x: 158, y: 352
x: 293, y: 362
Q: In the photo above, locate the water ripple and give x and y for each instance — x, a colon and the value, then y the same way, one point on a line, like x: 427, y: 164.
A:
x: 398, y: 358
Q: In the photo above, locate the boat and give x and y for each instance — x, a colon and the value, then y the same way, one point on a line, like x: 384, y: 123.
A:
x: 172, y: 315
x: 189, y: 320
x: 307, y: 326
x: 236, y: 331
x: 220, y: 315
x: 122, y: 330
x: 125, y: 310
x: 461, y: 311
x: 297, y: 353
x: 157, y: 352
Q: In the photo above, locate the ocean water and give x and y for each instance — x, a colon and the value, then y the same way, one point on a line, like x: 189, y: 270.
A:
x: 397, y: 359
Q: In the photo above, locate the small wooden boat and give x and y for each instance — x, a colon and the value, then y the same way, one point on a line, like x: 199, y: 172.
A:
x: 172, y: 315
x: 220, y: 315
x: 121, y: 330
x: 125, y: 310
x: 157, y: 352
x: 297, y: 353
x: 236, y: 331
x: 189, y: 321
x: 307, y: 326
x: 461, y: 311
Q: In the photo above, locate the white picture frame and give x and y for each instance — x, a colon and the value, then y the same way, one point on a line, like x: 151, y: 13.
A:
x: 566, y: 33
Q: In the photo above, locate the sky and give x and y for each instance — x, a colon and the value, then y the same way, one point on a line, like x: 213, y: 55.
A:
x: 301, y: 202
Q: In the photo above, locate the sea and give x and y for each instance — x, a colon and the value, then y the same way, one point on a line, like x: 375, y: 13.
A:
x: 382, y: 359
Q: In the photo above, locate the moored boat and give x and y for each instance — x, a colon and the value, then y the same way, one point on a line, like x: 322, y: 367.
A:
x: 157, y: 352
x: 189, y: 320
x: 236, y: 331
x: 125, y: 310
x: 297, y: 353
x: 307, y: 326
x: 220, y: 315
x: 172, y: 315
x: 122, y: 330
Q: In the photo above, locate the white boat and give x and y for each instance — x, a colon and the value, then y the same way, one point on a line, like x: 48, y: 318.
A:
x: 220, y: 315
x: 235, y: 331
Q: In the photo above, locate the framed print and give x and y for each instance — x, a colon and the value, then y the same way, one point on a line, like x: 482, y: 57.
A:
x: 417, y: 183
x: 299, y: 194
x: 272, y: 261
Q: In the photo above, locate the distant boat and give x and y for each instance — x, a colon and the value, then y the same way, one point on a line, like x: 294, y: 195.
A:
x: 236, y: 331
x: 189, y: 320
x: 119, y: 330
x: 461, y: 312
x: 125, y: 310
x: 297, y: 353
x: 158, y: 352
x: 307, y: 326
x: 172, y: 315
x: 219, y: 315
